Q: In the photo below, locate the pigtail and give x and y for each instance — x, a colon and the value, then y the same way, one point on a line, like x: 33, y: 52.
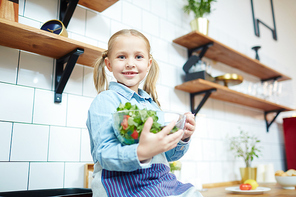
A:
x: 150, y: 82
x: 99, y: 75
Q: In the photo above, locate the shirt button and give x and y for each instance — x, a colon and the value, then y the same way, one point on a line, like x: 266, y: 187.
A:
x: 182, y: 148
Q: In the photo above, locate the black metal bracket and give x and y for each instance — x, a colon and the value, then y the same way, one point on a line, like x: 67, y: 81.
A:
x: 265, y: 117
x: 257, y: 21
x: 62, y: 75
x: 67, y: 8
x: 202, y: 102
x: 192, y: 59
x: 271, y: 79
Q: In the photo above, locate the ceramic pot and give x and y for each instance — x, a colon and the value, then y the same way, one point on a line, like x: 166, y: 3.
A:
x: 200, y: 24
x: 248, y: 173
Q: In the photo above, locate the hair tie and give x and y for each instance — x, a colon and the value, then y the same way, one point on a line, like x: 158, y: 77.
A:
x: 105, y: 54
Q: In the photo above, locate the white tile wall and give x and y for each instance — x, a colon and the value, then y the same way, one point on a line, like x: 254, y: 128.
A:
x: 14, y: 176
x: 35, y: 71
x: 73, y: 174
x: 29, y: 142
x: 21, y: 7
x: 97, y: 26
x: 164, y: 97
x: 48, y: 112
x: 77, y: 22
x: 88, y: 84
x: 159, y: 49
x: 85, y: 154
x: 74, y: 84
x: 29, y: 22
x: 115, y: 27
x: 131, y: 15
x: 12, y: 107
x: 64, y: 144
x: 8, y: 64
x: 150, y: 23
x: 5, y: 140
x: 46, y: 175
x: 114, y: 12
x: 77, y: 110
x: 29, y: 118
x: 41, y: 10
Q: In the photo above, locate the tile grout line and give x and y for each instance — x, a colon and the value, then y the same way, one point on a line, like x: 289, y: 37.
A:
x: 10, y: 148
x: 18, y: 67
x: 28, y: 183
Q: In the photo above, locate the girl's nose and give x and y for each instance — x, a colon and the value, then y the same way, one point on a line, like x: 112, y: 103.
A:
x: 130, y: 64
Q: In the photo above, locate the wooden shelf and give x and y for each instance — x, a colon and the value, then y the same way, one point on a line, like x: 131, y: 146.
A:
x: 222, y: 53
x: 225, y: 94
x: 97, y: 5
x: 19, y: 36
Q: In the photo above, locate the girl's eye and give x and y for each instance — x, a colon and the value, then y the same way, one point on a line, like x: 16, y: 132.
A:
x: 139, y: 56
x: 121, y: 57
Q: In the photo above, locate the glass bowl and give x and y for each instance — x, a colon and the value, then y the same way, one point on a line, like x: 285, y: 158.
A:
x: 129, y: 124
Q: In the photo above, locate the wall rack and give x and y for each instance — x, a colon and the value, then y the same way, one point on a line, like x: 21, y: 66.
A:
x: 222, y: 53
x: 64, y: 50
x: 195, y: 41
x: 219, y: 92
x: 19, y: 36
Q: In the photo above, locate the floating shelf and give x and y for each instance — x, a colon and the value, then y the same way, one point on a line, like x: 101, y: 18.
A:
x: 97, y: 5
x: 19, y: 36
x: 222, y: 53
x: 225, y: 94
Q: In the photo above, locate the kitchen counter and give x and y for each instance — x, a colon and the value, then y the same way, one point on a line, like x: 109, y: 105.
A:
x: 276, y: 190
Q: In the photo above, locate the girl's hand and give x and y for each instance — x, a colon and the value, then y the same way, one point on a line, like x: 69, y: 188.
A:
x: 189, y: 125
x: 151, y: 144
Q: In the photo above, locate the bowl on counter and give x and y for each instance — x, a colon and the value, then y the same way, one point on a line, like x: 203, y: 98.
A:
x: 129, y: 124
x: 287, y: 182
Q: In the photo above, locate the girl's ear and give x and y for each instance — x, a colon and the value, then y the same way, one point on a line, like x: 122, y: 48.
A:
x: 108, y: 64
x: 149, y: 64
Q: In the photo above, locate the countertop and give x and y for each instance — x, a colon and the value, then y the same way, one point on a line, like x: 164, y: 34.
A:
x: 276, y: 190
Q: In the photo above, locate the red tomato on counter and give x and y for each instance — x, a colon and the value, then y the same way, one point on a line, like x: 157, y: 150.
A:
x: 245, y: 187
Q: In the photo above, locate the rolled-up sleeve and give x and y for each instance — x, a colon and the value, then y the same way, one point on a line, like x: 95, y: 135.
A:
x: 177, y: 152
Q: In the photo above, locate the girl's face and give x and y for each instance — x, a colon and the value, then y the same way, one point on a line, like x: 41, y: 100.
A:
x: 129, y: 60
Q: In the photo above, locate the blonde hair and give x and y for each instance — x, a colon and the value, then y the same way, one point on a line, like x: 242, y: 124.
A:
x: 100, y: 79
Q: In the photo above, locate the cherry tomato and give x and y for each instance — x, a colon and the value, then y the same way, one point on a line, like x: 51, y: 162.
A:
x: 135, y: 134
x: 245, y: 187
x: 124, y: 122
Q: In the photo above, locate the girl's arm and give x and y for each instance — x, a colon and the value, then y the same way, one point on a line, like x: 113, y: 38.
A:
x: 105, y: 147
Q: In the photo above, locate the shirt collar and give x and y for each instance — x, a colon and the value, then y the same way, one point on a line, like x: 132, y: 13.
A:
x: 128, y: 93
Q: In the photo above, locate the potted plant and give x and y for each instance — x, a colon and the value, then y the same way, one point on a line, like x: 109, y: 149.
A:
x: 247, y: 147
x: 175, y: 168
x: 199, y: 8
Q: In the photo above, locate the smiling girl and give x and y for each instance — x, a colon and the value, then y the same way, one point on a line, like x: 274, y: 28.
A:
x: 139, y: 169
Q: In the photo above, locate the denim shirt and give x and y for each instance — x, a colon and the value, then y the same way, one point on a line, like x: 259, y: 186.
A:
x: 105, y: 147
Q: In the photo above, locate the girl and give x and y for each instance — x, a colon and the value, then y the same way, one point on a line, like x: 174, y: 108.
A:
x: 140, y: 169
